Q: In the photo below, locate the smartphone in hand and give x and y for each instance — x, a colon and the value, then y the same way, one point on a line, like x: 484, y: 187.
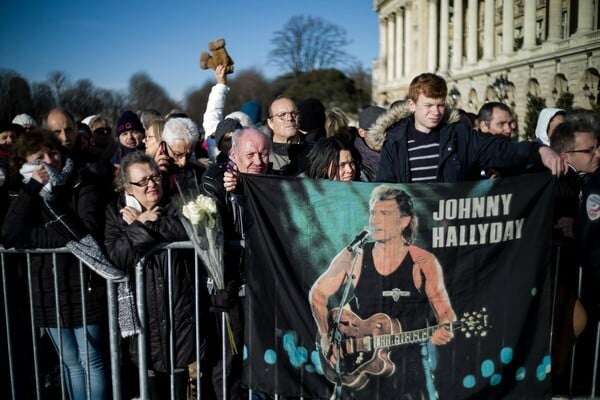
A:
x: 230, y: 166
x: 162, y: 148
x: 162, y: 157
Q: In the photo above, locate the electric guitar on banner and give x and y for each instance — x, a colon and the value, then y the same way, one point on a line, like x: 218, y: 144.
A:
x: 364, y: 346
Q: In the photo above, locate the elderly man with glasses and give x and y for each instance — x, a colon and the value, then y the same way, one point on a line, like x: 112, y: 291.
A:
x: 174, y: 155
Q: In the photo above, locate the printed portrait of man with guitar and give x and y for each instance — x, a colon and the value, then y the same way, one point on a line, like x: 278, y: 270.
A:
x: 380, y: 305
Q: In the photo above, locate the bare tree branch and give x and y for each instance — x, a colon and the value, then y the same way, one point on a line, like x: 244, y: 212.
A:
x: 308, y: 43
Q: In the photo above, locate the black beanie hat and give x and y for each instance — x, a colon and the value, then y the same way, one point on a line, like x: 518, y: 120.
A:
x: 312, y: 115
x: 84, y: 130
x: 224, y: 127
x: 5, y: 126
x: 128, y: 121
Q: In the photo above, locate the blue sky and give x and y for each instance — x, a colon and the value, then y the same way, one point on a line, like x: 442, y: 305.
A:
x: 107, y: 41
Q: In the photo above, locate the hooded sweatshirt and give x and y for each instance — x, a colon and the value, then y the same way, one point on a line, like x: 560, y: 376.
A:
x: 541, y: 129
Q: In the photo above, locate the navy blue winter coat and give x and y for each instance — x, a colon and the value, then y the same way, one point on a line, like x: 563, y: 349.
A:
x: 464, y: 152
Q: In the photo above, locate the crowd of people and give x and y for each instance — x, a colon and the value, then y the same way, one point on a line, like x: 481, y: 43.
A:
x: 122, y: 183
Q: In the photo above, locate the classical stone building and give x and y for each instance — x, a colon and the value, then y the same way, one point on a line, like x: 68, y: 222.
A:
x: 490, y: 50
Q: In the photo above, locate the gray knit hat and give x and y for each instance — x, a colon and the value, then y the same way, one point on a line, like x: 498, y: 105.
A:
x: 368, y: 116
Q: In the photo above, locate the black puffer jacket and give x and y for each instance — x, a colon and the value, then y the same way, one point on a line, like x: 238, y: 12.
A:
x: 30, y: 224
x: 126, y: 245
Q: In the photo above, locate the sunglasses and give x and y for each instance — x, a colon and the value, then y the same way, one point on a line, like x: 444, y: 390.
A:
x: 102, y: 131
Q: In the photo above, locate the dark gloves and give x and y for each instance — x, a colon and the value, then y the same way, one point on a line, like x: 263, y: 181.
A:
x: 224, y: 299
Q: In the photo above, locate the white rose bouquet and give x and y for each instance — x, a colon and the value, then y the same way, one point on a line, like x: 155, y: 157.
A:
x: 202, y: 223
x: 203, y: 226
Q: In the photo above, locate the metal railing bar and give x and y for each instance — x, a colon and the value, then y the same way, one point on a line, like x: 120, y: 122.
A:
x: 8, y: 330
x: 115, y: 353
x: 171, y: 323
x: 140, y: 289
x: 58, y: 327
x: 197, y: 318
x: 34, y: 332
x: 88, y: 382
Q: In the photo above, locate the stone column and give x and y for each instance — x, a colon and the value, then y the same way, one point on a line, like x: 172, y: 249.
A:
x: 529, y: 25
x: 585, y: 17
x: 489, y: 30
x: 555, y: 20
x: 391, y: 31
x: 444, y: 44
x: 432, y: 51
x: 472, y: 36
x: 508, y: 23
x: 383, y: 47
x: 400, y: 43
x: 457, y: 40
x: 408, y: 44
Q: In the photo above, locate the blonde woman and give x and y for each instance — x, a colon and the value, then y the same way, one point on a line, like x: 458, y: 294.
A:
x: 153, y: 137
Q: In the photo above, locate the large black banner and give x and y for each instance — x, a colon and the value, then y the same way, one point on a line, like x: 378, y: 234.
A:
x: 382, y: 291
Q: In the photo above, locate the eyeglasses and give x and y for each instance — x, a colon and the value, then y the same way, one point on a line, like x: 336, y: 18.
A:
x: 177, y: 155
x: 102, y: 131
x: 144, y: 182
x: 283, y: 116
x: 591, y: 150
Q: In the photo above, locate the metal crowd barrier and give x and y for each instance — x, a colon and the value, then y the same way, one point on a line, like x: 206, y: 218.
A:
x: 13, y: 264
x: 17, y: 360
x: 141, y: 308
x: 11, y: 259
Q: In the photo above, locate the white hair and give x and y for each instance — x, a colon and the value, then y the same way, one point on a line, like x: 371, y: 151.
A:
x: 88, y: 120
x: 243, y: 118
x: 235, y: 137
x: 180, y: 129
x: 24, y: 119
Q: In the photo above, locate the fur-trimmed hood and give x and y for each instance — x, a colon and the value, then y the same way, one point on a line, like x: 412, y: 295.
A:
x: 376, y: 135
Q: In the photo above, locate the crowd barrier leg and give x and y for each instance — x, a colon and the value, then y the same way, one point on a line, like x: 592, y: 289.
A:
x: 597, y: 349
x: 88, y: 383
x: 7, y: 322
x: 554, y: 295
x: 140, y: 290
x: 113, y: 332
x: 170, y: 306
x: 224, y: 353
x: 34, y: 343
x: 61, y: 362
x: 575, y: 348
x: 197, y: 283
